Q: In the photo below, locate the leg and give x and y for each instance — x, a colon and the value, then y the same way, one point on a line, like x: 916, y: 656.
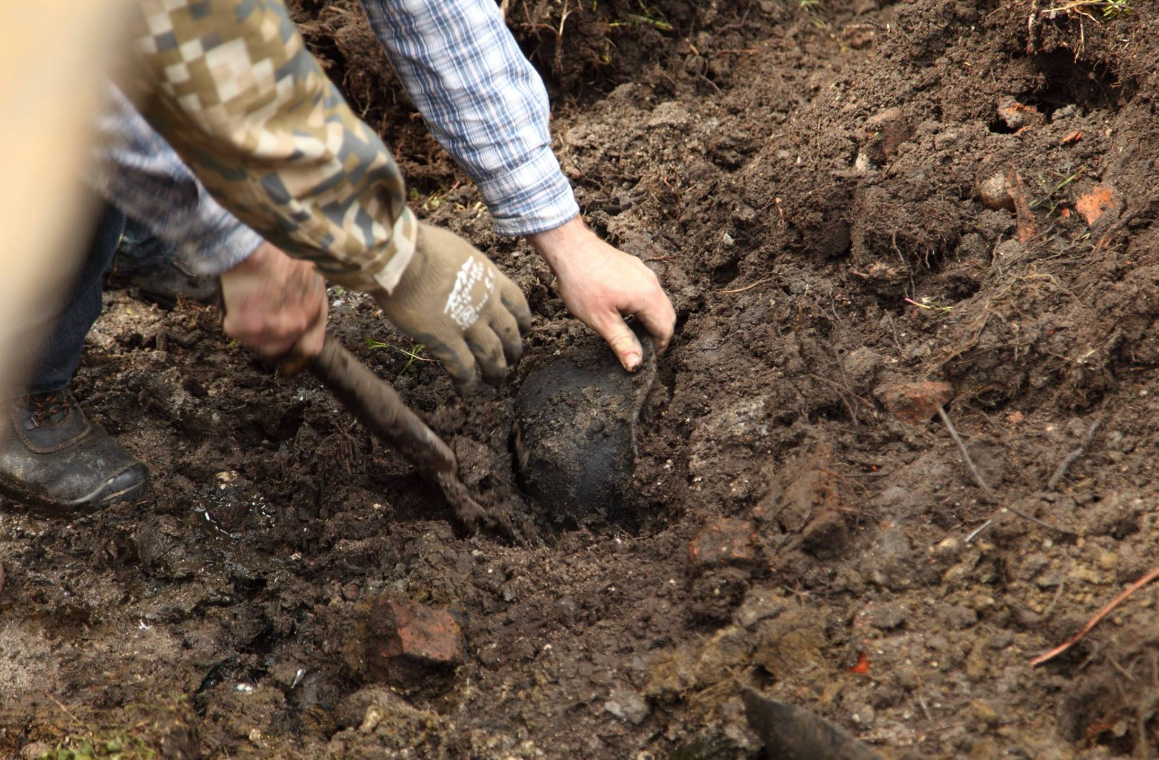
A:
x: 60, y: 349
x: 149, y: 266
x: 51, y: 456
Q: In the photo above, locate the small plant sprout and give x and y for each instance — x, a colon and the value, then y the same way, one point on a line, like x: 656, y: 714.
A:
x: 810, y: 6
x: 647, y: 16
x: 930, y: 304
x: 414, y: 355
x: 1107, y: 8
x: 1051, y: 193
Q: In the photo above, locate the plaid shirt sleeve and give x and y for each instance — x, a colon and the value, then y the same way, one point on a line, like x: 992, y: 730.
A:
x: 137, y: 172
x: 483, y: 101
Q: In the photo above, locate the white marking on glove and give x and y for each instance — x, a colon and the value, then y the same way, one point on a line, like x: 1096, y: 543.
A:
x: 462, y: 306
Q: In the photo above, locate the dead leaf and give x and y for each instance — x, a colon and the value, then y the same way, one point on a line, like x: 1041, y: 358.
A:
x: 1072, y: 137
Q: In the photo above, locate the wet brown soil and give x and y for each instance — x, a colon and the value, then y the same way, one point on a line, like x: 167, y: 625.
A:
x: 840, y: 197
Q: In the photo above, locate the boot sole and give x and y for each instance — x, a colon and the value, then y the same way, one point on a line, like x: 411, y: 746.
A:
x: 100, y: 499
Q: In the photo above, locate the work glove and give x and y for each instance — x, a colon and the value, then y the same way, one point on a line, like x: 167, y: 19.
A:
x: 453, y: 300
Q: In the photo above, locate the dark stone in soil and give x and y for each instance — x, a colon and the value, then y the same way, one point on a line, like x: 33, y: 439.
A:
x: 576, y: 418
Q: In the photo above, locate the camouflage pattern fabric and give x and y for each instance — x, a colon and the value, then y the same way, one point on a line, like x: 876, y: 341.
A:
x: 231, y: 86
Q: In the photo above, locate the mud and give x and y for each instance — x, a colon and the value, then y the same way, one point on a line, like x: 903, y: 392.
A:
x: 815, y: 185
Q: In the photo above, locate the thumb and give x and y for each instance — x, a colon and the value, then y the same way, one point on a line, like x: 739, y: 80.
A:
x: 623, y: 341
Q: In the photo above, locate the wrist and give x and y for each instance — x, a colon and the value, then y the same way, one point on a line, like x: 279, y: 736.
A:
x: 555, y: 245
x: 257, y: 259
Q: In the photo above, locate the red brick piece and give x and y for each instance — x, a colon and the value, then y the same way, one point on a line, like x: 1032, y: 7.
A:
x: 726, y: 541
x: 404, y: 638
x: 917, y: 402
x: 414, y: 630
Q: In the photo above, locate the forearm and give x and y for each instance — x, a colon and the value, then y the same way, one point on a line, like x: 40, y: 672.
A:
x: 483, y: 101
x: 251, y: 112
x: 137, y: 171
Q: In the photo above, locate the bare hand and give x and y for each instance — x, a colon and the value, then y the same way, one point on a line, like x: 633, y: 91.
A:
x: 600, y: 285
x: 274, y: 303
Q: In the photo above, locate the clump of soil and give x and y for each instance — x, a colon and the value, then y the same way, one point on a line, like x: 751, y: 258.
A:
x: 848, y: 202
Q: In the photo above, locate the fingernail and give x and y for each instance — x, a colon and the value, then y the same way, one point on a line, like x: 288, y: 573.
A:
x: 632, y: 362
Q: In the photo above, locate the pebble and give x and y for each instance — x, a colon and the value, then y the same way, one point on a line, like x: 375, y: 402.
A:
x: 994, y: 194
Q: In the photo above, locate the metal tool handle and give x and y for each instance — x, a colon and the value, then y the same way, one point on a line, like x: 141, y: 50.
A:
x: 377, y: 406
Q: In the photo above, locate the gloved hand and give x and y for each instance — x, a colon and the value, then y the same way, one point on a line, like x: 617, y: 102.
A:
x: 452, y: 299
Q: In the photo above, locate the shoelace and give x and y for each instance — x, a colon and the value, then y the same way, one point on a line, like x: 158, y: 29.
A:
x: 47, y: 405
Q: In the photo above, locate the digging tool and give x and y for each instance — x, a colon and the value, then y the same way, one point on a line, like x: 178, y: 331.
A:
x: 379, y: 407
x: 791, y: 733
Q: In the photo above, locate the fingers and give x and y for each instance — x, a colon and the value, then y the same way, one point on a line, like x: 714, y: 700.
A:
x: 512, y: 298
x: 457, y: 362
x: 613, y: 329
x: 274, y: 303
x: 488, y: 351
x: 310, y: 344
x: 505, y: 326
x: 659, y: 318
x: 270, y: 333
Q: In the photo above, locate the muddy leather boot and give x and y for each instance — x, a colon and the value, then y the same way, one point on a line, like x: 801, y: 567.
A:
x: 56, y: 462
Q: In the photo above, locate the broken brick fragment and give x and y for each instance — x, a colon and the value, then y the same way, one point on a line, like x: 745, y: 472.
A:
x: 724, y: 542
x: 915, y: 402
x: 1091, y: 206
x: 404, y: 628
x: 399, y: 641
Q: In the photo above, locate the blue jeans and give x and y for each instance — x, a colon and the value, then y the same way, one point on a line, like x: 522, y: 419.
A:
x: 60, y: 349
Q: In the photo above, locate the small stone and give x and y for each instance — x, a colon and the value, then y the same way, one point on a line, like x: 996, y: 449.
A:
x: 915, y: 402
x: 626, y: 704
x: 727, y: 541
x: 862, y: 364
x: 884, y: 132
x: 1032, y: 565
x: 759, y: 604
x: 887, y: 618
x: 34, y: 750
x: 1018, y: 116
x: 948, y: 546
x: 983, y: 713
x: 863, y: 715
x: 993, y: 193
x: 977, y: 663
x: 958, y: 616
x: 370, y: 720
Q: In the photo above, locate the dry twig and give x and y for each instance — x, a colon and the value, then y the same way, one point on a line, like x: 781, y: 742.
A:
x: 1070, y: 458
x: 746, y: 287
x: 1098, y: 618
x: 986, y: 489
x: 965, y: 454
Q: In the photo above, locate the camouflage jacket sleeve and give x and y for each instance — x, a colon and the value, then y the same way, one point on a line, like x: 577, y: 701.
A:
x: 231, y: 86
